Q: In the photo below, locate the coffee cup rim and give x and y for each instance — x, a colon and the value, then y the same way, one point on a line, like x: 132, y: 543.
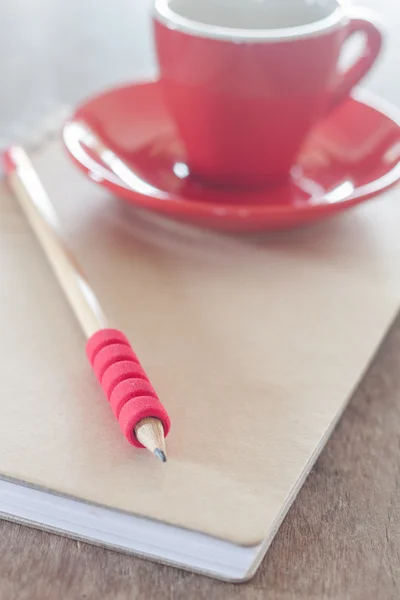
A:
x: 164, y: 15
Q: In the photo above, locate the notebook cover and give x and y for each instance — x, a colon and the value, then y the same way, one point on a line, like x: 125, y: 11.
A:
x: 254, y: 344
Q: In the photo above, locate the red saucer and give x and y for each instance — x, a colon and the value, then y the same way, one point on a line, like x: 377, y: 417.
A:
x: 350, y: 157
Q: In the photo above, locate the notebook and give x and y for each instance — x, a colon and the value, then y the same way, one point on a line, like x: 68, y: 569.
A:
x: 254, y: 344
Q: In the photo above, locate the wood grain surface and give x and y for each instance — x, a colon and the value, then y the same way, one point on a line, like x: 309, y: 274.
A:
x: 341, y: 538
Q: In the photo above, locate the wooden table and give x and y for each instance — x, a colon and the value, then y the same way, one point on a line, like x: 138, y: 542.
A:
x: 341, y: 538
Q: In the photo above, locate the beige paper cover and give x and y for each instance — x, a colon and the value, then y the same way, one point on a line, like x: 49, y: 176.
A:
x: 253, y: 343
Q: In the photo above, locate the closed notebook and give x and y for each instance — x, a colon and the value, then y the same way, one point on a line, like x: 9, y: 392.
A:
x: 254, y: 344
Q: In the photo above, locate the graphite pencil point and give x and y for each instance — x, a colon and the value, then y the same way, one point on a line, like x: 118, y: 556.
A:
x: 160, y: 454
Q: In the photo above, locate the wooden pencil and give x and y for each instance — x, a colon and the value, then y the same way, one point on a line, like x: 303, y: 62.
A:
x: 142, y: 417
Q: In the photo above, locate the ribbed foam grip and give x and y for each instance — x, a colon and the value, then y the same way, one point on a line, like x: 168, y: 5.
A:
x: 125, y: 384
x: 111, y: 355
x: 121, y: 371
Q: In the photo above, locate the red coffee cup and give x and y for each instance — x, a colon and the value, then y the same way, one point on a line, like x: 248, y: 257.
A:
x: 246, y: 80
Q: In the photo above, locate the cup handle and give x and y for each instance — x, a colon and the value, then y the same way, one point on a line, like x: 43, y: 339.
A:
x: 373, y: 44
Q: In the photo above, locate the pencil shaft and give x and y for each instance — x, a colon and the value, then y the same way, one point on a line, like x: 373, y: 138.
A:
x: 44, y: 222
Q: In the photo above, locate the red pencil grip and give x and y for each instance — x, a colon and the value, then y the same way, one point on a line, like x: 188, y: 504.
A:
x: 125, y: 383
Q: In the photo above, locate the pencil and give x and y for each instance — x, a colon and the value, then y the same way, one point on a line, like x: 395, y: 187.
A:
x: 142, y: 418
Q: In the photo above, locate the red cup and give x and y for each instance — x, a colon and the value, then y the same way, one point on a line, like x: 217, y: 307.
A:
x: 244, y: 99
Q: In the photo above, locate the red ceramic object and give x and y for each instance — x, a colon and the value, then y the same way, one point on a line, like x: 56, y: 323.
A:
x: 350, y: 156
x: 244, y: 105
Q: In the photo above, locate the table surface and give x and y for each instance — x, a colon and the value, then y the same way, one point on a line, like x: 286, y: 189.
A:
x: 341, y: 538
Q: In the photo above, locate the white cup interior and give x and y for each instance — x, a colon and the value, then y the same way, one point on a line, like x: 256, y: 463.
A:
x: 249, y: 15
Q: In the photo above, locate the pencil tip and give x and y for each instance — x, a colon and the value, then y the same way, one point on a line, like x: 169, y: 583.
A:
x: 160, y: 455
